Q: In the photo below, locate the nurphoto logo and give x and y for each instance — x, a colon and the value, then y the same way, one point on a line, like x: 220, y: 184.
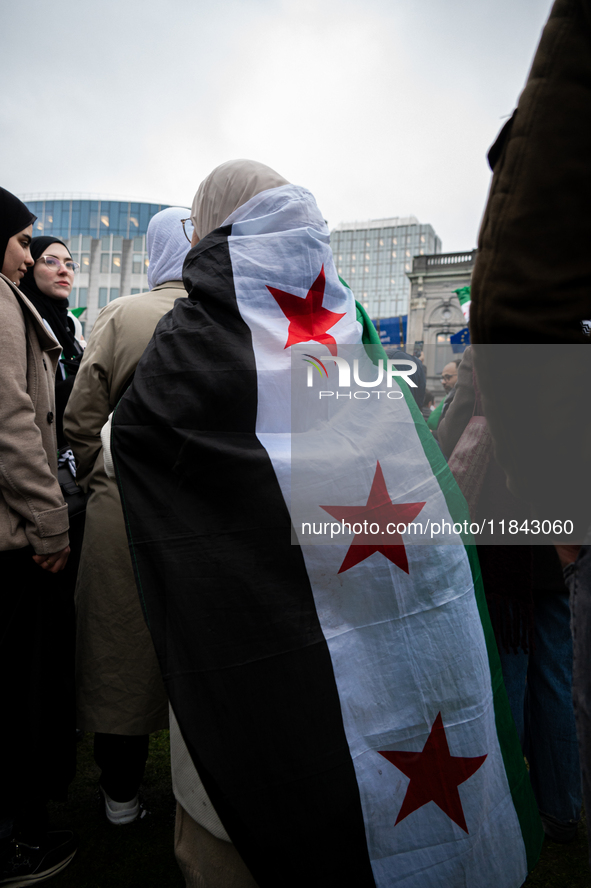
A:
x: 387, y: 370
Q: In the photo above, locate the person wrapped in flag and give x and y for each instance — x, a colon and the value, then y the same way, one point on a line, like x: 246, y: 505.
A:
x: 341, y: 704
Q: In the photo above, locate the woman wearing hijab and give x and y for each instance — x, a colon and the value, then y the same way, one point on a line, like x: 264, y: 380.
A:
x: 308, y: 681
x: 48, y: 285
x: 37, y: 741
x: 120, y: 695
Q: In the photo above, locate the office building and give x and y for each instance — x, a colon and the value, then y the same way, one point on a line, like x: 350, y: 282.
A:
x: 374, y: 258
x: 106, y: 237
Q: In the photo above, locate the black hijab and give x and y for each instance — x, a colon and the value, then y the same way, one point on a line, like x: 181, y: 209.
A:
x: 14, y: 217
x: 54, y: 311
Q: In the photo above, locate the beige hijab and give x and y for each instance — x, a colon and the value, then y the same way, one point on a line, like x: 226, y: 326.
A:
x: 228, y: 187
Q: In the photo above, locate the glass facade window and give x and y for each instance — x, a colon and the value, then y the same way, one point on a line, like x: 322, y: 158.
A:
x: 117, y: 242
x: 369, y: 255
x: 105, y: 263
x: 86, y: 243
x: 138, y: 243
x: 116, y: 263
x: 135, y: 290
x: 85, y: 262
x: 103, y: 293
x: 137, y: 263
x: 146, y: 264
x: 114, y: 293
x: 82, y: 296
x: 91, y: 218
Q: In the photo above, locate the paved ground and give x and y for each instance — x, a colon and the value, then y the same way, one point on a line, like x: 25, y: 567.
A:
x: 140, y: 855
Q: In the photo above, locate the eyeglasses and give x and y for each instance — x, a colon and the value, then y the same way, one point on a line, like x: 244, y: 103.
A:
x: 183, y: 221
x: 447, y: 376
x: 55, y: 263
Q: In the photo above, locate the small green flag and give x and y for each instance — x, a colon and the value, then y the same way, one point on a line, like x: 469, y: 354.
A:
x: 463, y: 294
x: 435, y: 416
x: 78, y: 311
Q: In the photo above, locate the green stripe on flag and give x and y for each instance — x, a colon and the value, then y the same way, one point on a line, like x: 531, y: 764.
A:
x: 369, y: 335
x: 463, y: 294
x: 517, y: 776
x: 433, y: 420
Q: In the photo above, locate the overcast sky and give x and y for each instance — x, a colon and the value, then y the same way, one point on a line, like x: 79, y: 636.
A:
x: 380, y: 107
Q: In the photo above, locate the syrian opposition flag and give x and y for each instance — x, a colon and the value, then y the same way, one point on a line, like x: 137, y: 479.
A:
x: 343, y: 703
x: 465, y: 300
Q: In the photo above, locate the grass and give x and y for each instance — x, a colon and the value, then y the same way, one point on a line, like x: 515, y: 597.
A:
x: 563, y: 866
x: 140, y: 855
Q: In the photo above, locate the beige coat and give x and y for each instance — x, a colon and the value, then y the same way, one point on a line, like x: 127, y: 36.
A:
x: 119, y: 686
x: 32, y: 510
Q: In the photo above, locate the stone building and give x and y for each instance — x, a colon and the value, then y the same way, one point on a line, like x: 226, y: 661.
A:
x: 435, y: 313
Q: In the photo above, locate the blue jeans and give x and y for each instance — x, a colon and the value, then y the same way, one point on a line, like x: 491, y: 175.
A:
x: 539, y: 688
x: 578, y: 579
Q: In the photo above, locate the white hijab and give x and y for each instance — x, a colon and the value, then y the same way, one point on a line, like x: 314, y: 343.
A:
x: 167, y: 245
x: 228, y: 187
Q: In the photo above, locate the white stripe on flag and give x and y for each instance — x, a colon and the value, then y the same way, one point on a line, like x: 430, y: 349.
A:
x: 403, y: 646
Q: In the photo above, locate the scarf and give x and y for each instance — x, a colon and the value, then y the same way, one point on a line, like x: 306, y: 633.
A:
x: 228, y: 187
x: 14, y: 216
x: 167, y: 246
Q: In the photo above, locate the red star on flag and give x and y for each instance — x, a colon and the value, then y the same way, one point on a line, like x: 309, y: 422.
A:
x: 308, y: 320
x: 379, y: 510
x: 435, y: 775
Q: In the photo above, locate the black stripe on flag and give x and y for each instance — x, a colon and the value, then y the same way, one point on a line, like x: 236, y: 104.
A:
x: 227, y: 596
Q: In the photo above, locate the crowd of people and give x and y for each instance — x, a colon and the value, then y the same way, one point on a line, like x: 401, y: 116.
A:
x: 155, y: 575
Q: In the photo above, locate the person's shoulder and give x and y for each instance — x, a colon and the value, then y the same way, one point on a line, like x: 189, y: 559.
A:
x: 12, y: 305
x: 119, y: 304
x: 7, y: 288
x: 139, y: 303
x: 168, y: 289
x: 118, y: 310
x: 140, y: 308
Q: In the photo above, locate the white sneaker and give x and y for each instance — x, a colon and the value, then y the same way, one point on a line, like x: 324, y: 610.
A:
x: 120, y: 813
